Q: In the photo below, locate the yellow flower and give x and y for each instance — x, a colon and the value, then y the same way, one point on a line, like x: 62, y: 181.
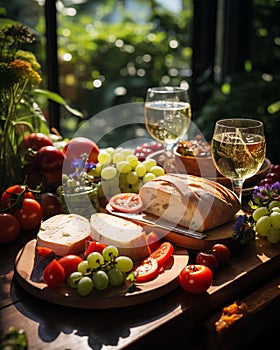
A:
x: 22, y: 70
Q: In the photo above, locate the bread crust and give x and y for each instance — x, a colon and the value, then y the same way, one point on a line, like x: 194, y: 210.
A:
x: 190, y: 201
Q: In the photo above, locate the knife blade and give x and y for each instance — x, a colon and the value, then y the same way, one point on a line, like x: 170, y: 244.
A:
x: 160, y: 224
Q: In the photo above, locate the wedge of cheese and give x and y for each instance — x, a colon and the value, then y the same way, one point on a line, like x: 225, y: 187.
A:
x: 64, y: 234
x: 128, y: 237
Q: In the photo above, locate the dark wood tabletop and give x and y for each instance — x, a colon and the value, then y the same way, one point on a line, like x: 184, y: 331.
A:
x: 177, y: 319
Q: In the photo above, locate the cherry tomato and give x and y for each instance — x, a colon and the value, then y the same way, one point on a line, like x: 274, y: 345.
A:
x: 126, y: 202
x: 147, y: 270
x: 49, y: 159
x: 54, y: 275
x: 10, y: 195
x: 153, y: 240
x: 29, y: 215
x: 10, y: 227
x: 80, y: 145
x: 207, y: 259
x: 275, y: 169
x: 70, y: 263
x: 221, y: 252
x: 50, y: 205
x: 196, y: 279
x: 95, y: 247
x: 35, y: 141
x: 162, y: 253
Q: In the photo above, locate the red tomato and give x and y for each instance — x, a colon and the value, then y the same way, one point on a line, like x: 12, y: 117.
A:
x: 35, y: 141
x: 153, y: 240
x: 43, y: 251
x: 54, y: 275
x: 10, y: 227
x: 53, y: 179
x: 95, y: 247
x: 163, y: 253
x: 70, y: 263
x: 207, y: 259
x: 10, y: 195
x: 49, y: 159
x: 126, y: 202
x: 29, y: 215
x: 80, y: 145
x: 221, y: 252
x: 50, y: 205
x: 147, y: 270
x: 196, y: 279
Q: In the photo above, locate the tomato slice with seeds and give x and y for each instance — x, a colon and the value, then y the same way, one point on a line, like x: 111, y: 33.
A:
x: 126, y: 202
x: 162, y: 253
x: 147, y: 270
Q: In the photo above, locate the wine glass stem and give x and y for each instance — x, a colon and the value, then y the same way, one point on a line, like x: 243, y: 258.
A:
x: 237, y: 186
x: 168, y: 150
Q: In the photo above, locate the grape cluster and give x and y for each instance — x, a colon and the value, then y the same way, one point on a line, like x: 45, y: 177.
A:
x: 120, y: 170
x: 267, y: 221
x: 146, y: 149
x: 100, y: 270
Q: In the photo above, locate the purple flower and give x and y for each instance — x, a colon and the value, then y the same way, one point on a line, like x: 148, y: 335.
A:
x: 243, y: 229
x: 262, y: 195
x: 77, y: 163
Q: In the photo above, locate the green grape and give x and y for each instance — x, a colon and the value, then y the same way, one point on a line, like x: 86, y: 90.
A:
x: 124, y: 263
x: 259, y: 212
x: 157, y: 170
x: 83, y: 267
x: 148, y: 163
x: 96, y: 172
x: 110, y: 150
x: 133, y: 160
x: 132, y: 178
x: 140, y: 170
x: 85, y: 286
x: 273, y: 235
x: 123, y: 167
x: 115, y: 276
x: 108, y: 173
x: 118, y: 157
x: 126, y: 152
x: 276, y: 209
x: 275, y: 219
x: 263, y: 225
x: 273, y: 204
x: 73, y: 279
x: 136, y: 187
x: 119, y: 149
x: 104, y: 158
x: 110, y: 252
x: 100, y: 280
x: 148, y: 177
x: 95, y: 259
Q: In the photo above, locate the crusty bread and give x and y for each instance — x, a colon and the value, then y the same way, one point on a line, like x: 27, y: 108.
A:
x: 64, y: 234
x: 128, y: 237
x: 193, y: 202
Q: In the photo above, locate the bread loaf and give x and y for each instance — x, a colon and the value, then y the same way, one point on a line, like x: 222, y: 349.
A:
x: 64, y: 234
x: 193, y: 202
x: 128, y: 237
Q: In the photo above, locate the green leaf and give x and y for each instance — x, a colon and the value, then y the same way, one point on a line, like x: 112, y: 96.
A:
x: 58, y: 99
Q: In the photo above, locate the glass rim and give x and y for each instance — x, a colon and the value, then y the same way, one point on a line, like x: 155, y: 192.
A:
x: 255, y: 123
x: 167, y: 89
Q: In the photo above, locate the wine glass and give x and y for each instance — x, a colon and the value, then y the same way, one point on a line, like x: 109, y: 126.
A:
x: 167, y: 114
x: 238, y: 150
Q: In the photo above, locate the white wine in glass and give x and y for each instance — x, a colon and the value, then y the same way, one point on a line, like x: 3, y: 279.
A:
x: 167, y: 114
x: 238, y: 150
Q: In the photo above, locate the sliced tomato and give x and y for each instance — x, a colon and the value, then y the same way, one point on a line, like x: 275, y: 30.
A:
x: 54, y: 274
x: 43, y: 251
x: 153, y: 240
x: 147, y: 270
x: 95, y: 247
x: 126, y: 202
x: 162, y: 253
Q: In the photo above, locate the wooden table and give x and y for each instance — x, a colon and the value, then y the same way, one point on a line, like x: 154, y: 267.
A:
x: 178, y: 319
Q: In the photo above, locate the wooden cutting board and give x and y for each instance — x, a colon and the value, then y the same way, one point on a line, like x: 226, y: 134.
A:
x: 113, y: 297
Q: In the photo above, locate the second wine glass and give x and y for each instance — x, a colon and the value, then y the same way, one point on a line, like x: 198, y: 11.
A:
x: 167, y: 115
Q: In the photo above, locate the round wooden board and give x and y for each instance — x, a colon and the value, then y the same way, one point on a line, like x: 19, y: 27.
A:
x: 113, y: 297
